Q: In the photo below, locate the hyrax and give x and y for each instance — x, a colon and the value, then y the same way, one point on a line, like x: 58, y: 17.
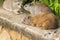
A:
x: 44, y: 19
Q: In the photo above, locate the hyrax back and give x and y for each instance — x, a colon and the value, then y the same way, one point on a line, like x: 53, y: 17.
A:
x: 44, y: 19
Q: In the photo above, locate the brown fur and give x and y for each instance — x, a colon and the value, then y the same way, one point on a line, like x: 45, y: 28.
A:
x: 46, y: 19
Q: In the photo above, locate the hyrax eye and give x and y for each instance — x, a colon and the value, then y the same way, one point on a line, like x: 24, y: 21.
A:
x: 29, y: 17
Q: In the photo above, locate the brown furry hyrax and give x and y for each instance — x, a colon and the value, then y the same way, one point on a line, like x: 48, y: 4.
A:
x: 46, y: 19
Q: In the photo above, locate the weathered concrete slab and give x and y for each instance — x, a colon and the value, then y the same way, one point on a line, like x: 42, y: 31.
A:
x: 13, y: 21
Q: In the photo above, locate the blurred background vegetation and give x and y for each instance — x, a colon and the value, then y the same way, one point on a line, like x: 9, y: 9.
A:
x: 1, y: 2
